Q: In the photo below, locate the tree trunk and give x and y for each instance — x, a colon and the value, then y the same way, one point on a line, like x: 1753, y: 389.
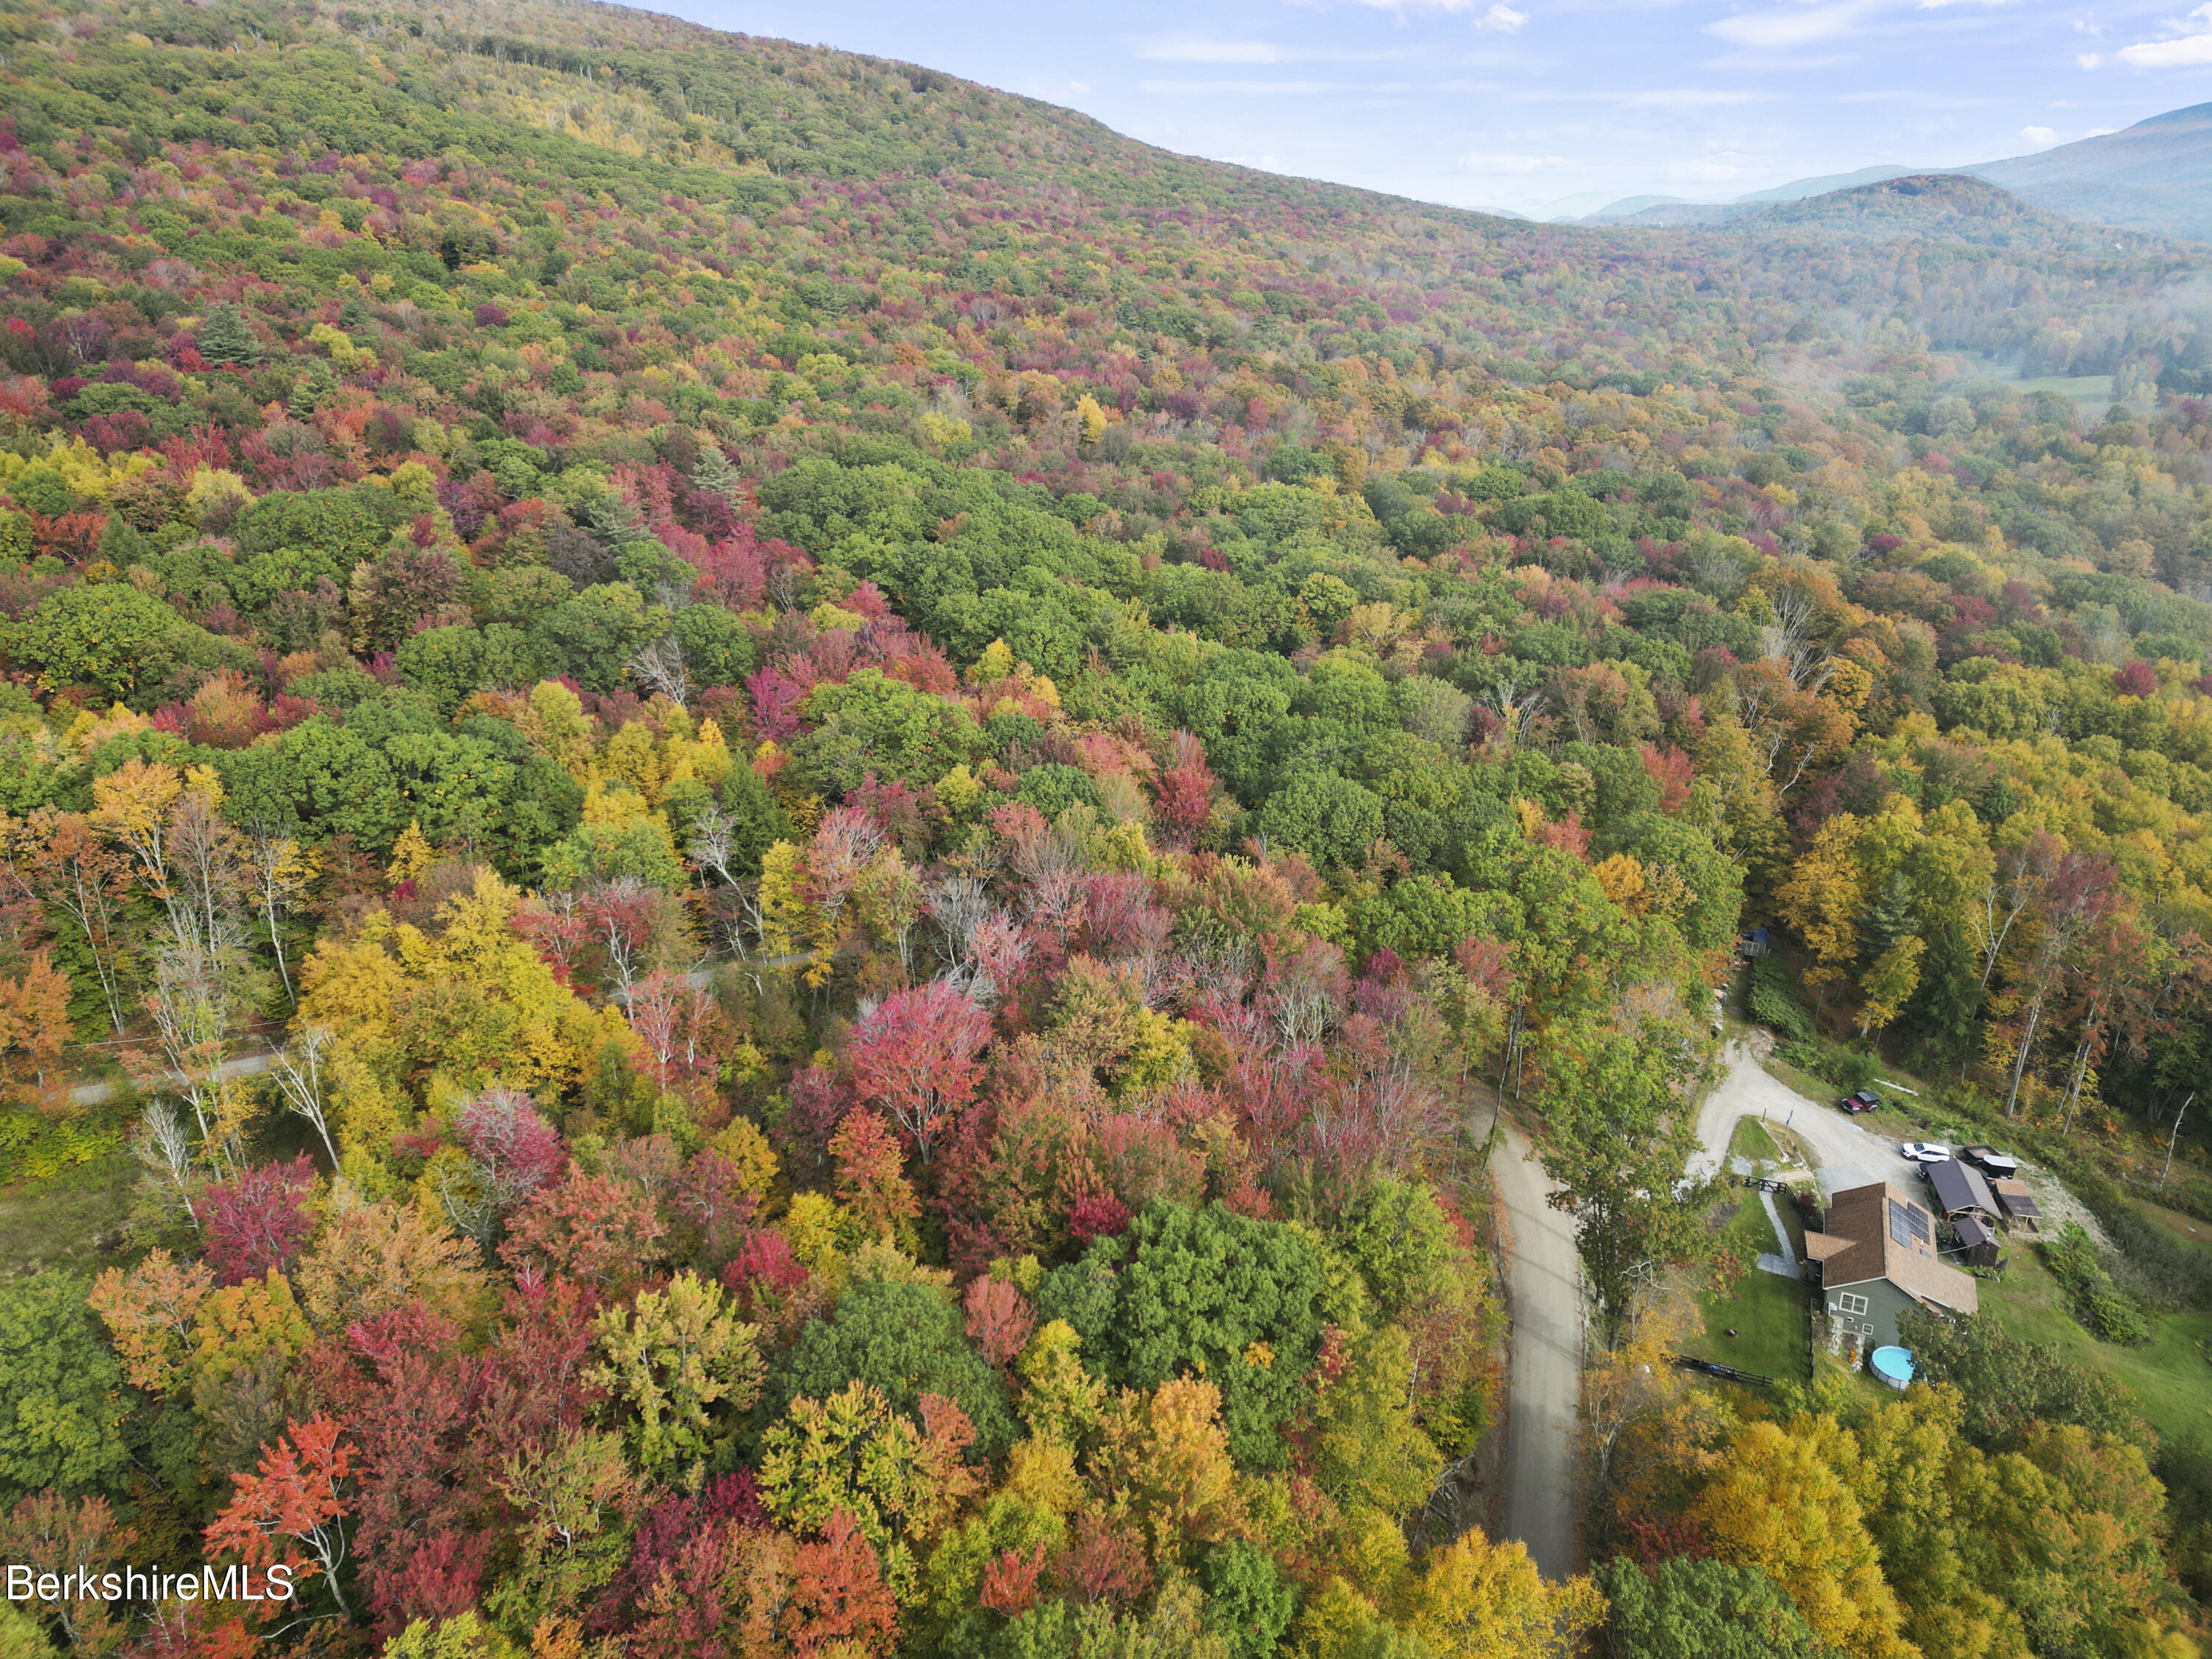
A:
x: 2019, y: 1065
x: 2074, y: 1089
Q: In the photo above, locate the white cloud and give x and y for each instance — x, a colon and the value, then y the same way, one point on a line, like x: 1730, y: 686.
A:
x: 1503, y: 18
x: 1794, y: 26
x: 1300, y: 87
x: 1773, y: 63
x: 1790, y: 26
x: 1496, y: 161
x: 2037, y: 135
x: 1079, y: 88
x: 2084, y: 25
x: 1400, y: 6
x: 2099, y: 132
x: 2187, y: 52
x: 2089, y: 60
x: 1694, y: 98
x: 1188, y: 49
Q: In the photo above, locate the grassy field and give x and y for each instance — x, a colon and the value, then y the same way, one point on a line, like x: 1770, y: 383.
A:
x: 71, y: 1220
x: 2172, y: 1377
x: 1749, y: 1139
x: 2093, y: 391
x: 1768, y: 1314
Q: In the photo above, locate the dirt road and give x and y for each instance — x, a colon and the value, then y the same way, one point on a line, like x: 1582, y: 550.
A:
x: 1844, y: 1154
x: 1544, y: 1374
x: 98, y: 1094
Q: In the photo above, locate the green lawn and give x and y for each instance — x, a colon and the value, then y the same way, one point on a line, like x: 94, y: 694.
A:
x: 2170, y: 1378
x: 1768, y: 1314
x: 1750, y: 1140
x: 71, y: 1220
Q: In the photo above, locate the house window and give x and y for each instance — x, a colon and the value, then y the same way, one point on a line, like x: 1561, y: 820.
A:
x: 1852, y: 1304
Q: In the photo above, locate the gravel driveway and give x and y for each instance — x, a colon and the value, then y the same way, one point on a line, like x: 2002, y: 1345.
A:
x: 1543, y: 1378
x: 1844, y: 1154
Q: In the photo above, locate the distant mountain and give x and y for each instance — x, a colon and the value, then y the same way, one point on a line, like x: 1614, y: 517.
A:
x: 1628, y: 206
x: 1798, y: 189
x: 1954, y: 206
x: 2155, y: 175
x: 1572, y: 207
x: 1675, y: 215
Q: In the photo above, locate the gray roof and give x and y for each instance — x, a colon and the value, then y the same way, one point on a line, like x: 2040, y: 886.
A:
x: 1960, y: 1188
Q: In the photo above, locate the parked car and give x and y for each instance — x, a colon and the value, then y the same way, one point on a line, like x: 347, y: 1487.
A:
x: 1992, y: 1161
x: 1864, y: 1100
x: 1925, y: 1151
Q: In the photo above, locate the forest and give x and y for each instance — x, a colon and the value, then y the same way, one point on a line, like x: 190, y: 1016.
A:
x: 787, y: 834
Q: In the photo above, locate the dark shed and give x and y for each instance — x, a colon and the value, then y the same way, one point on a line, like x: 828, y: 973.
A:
x: 1978, y: 1245
x: 1960, y: 1189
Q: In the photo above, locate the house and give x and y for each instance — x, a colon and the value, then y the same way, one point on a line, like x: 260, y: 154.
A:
x: 1877, y: 1258
x: 1960, y: 1189
x: 2019, y: 1208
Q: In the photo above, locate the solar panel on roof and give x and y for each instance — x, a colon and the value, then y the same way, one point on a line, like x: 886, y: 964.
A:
x: 1897, y: 1224
x: 1916, y: 1218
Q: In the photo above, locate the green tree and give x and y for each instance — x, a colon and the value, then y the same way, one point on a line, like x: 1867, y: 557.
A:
x: 1618, y: 1137
x: 95, y: 635
x: 1210, y: 1291
x: 449, y: 665
x: 223, y: 337
x: 1250, y: 1602
x: 717, y: 649
x: 872, y: 723
x: 1395, y: 1234
x: 905, y: 1338
x: 1331, y: 819
x: 61, y: 1392
x: 671, y: 1359
x: 592, y: 636
x: 1701, y: 1610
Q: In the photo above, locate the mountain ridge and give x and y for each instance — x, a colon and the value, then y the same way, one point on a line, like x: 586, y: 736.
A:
x: 2155, y: 176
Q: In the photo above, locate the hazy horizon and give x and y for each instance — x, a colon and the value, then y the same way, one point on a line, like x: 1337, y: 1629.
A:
x: 1524, y: 103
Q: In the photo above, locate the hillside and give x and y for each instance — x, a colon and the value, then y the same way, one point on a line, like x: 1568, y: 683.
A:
x: 1942, y: 207
x: 2155, y: 176
x: 804, y: 818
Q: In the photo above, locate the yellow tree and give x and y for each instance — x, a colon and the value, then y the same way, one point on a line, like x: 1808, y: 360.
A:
x: 1735, y: 800
x: 1886, y: 987
x: 1476, y: 1599
x: 473, y: 1000
x: 1782, y: 1500
x: 1164, y: 1460
x: 149, y: 1312
x: 1823, y: 899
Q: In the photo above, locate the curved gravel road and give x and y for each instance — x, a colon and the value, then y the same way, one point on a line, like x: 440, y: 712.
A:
x: 1846, y: 1154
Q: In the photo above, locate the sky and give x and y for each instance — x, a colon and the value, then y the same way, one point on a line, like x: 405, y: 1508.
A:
x: 1531, y: 103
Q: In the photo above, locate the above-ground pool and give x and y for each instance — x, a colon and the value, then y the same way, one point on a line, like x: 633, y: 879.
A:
x: 1893, y: 1365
